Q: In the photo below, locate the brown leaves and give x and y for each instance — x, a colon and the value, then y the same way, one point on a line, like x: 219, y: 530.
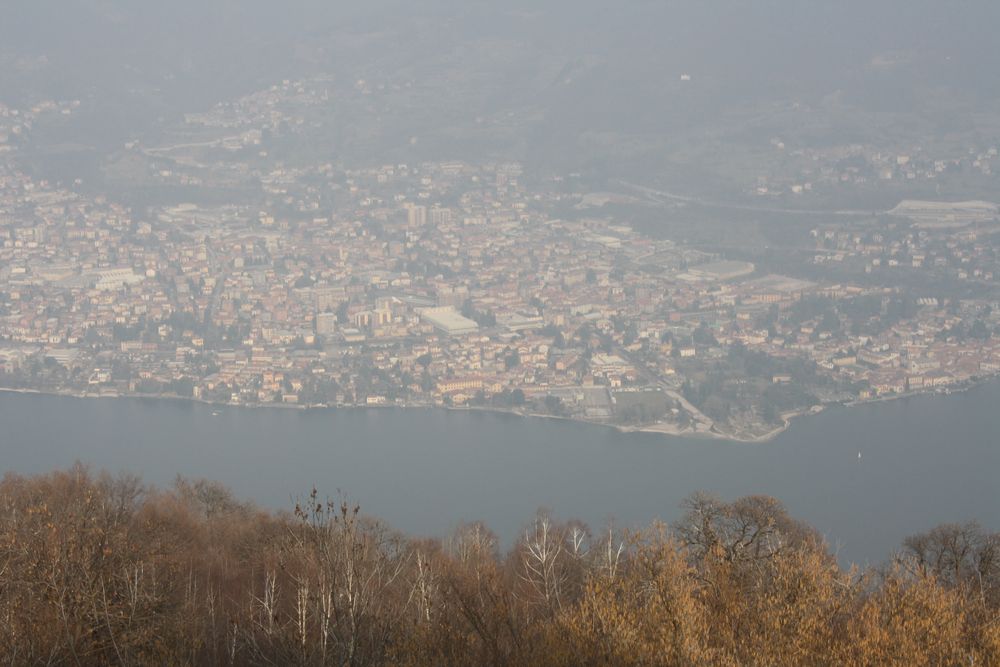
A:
x: 98, y: 570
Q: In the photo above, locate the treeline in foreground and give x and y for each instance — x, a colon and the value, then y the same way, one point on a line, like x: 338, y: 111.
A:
x: 101, y: 570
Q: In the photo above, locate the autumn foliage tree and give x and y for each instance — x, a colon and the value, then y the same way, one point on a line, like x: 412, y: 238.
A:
x: 99, y: 570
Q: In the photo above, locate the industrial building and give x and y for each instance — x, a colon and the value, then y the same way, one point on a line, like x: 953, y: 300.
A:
x: 724, y: 270
x: 449, y: 320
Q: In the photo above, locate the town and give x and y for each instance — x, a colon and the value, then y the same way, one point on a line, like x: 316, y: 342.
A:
x: 460, y: 284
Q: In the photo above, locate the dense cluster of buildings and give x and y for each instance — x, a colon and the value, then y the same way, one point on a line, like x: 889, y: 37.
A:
x: 443, y: 283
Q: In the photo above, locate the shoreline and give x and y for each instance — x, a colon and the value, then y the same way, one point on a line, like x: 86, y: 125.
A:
x: 658, y: 429
x: 664, y: 429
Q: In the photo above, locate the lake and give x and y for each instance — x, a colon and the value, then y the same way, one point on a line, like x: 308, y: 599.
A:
x: 925, y: 460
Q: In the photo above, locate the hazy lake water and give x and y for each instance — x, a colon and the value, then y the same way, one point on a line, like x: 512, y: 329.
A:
x: 924, y: 460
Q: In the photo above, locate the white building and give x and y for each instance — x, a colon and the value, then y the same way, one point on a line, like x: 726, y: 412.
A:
x: 113, y: 279
x: 449, y: 320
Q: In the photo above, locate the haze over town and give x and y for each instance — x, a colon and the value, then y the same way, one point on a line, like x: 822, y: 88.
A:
x: 668, y: 222
x: 451, y: 211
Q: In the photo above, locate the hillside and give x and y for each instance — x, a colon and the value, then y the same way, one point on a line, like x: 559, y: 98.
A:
x: 97, y: 569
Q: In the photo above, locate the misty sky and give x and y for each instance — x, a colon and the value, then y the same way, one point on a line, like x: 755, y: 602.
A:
x: 163, y: 56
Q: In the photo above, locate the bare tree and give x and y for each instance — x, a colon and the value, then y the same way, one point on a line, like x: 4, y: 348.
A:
x: 749, y: 529
x: 957, y: 554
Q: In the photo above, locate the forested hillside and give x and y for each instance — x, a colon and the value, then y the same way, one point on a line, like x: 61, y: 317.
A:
x: 97, y: 569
